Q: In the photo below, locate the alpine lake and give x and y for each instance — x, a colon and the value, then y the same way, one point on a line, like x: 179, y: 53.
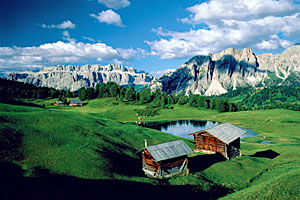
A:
x: 182, y: 128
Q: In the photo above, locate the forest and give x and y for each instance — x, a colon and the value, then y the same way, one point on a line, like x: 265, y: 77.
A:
x: 236, y: 100
x: 266, y: 98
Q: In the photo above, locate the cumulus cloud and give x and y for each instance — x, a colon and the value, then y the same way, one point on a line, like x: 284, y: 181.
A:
x: 109, y: 17
x: 72, y: 52
x: 215, y: 11
x: 64, y: 25
x: 269, y: 24
x: 115, y: 4
x: 273, y: 43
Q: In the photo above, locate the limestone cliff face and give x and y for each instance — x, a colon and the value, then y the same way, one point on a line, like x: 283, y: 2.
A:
x: 229, y: 69
x: 75, y: 77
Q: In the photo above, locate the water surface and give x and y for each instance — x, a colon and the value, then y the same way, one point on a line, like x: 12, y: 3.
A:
x: 182, y: 128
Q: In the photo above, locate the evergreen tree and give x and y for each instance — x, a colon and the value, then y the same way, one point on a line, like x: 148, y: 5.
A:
x: 163, y: 101
x: 145, y: 96
x: 114, y: 90
x: 130, y: 94
x: 97, y: 90
x: 182, y: 100
x: 89, y: 93
x: 102, y: 91
x: 122, y: 92
x: 64, y: 100
x: 82, y: 94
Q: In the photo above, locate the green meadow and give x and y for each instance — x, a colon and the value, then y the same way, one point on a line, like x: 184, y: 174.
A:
x: 99, y: 141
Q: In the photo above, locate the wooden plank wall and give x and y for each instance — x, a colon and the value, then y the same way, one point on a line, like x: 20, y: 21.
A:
x: 150, y: 163
x: 215, y: 145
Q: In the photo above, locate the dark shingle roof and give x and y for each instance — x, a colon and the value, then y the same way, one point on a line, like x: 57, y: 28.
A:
x: 169, y: 150
x: 75, y: 101
x: 226, y: 132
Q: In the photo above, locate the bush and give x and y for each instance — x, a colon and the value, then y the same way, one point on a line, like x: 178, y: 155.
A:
x: 148, y: 111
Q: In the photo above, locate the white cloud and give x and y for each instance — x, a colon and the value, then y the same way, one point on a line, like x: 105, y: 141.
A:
x: 161, y: 72
x: 273, y: 43
x: 18, y: 58
x: 115, y: 4
x: 109, y: 17
x: 89, y: 39
x: 67, y: 37
x: 214, y: 11
x: 257, y: 24
x: 64, y: 25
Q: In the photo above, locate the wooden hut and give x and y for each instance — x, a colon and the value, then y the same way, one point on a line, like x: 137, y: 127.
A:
x: 58, y: 103
x: 75, y: 102
x: 223, y: 138
x: 166, y: 159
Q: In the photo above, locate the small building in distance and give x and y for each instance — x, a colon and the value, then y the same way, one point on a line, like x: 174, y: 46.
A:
x: 75, y: 102
x: 166, y: 159
x: 58, y: 103
x: 223, y: 138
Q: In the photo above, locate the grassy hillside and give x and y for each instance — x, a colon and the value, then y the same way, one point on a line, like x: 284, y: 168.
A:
x: 75, y: 144
x: 94, y: 142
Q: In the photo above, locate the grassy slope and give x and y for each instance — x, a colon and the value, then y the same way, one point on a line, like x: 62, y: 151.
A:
x: 75, y: 144
x: 250, y: 176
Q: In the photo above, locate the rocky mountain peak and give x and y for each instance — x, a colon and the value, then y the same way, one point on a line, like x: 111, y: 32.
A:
x: 75, y: 77
x: 231, y: 68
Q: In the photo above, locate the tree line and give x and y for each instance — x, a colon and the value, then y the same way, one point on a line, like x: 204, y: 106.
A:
x: 17, y: 90
x: 156, y: 99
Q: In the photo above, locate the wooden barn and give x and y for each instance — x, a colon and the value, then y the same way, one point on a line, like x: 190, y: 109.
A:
x: 223, y: 138
x: 166, y: 159
x: 75, y: 102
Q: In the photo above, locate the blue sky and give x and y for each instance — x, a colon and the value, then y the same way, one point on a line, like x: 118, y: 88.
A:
x: 150, y: 35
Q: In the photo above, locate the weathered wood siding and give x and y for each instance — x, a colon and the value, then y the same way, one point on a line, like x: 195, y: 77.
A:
x: 149, y: 162
x: 207, y: 142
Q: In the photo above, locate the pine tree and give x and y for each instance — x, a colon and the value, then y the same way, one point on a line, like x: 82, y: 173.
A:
x: 130, y: 94
x: 82, y: 94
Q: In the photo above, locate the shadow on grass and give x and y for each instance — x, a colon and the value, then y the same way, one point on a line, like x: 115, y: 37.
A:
x: 124, y: 164
x: 19, y: 103
x: 52, y: 186
x: 266, y: 154
x: 202, y: 162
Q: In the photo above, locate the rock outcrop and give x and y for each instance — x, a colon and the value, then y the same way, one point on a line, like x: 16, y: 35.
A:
x: 232, y: 68
x: 75, y: 77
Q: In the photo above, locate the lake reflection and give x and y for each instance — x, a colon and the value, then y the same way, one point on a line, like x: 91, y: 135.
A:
x: 181, y: 127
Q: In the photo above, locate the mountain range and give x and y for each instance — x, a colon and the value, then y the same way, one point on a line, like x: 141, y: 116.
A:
x: 75, y: 77
x: 212, y: 74
x: 229, y: 69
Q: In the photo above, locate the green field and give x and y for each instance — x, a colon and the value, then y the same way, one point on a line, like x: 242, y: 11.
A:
x: 95, y: 142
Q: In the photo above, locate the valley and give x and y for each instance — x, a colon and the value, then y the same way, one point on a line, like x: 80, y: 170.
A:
x: 96, y: 142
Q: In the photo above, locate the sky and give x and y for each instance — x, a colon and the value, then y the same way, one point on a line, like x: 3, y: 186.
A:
x: 155, y: 36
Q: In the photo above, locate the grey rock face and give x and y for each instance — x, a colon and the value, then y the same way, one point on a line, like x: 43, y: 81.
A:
x: 75, y: 77
x: 229, y: 69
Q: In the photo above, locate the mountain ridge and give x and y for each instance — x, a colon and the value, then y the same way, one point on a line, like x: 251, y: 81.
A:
x: 215, y: 74
x: 75, y: 77
x: 208, y: 75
